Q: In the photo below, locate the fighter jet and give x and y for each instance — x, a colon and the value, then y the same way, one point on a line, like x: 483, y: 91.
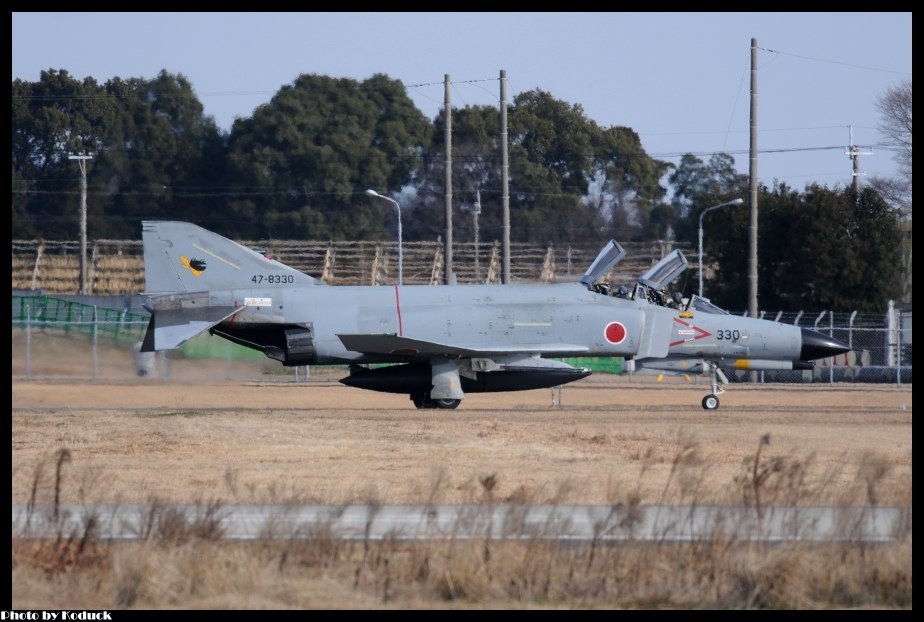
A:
x: 441, y: 342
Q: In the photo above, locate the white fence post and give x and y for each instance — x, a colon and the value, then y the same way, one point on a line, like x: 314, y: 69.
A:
x: 95, y: 344
x: 890, y: 334
x: 898, y: 352
x: 29, y: 342
x: 833, y: 359
x: 850, y: 329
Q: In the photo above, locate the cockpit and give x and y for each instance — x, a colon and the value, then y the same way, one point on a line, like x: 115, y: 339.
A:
x: 651, y: 286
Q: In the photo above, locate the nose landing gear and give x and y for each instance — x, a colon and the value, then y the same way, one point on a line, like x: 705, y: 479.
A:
x: 711, y: 401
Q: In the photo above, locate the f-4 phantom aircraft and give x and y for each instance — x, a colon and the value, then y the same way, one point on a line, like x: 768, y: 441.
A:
x: 448, y: 340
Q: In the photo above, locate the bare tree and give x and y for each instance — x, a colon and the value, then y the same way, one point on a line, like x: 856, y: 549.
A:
x: 895, y: 106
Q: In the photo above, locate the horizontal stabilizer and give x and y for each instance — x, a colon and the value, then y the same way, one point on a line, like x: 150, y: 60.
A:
x: 178, y: 318
x: 405, y: 346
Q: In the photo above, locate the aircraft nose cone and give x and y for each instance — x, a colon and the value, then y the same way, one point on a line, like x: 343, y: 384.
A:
x: 815, y: 345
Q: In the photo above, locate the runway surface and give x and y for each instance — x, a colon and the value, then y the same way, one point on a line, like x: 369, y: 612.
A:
x: 567, y: 523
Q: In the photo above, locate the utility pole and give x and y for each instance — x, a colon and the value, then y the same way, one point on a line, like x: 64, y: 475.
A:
x: 505, y: 170
x: 854, y: 153
x: 82, y: 163
x: 447, y: 248
x: 752, y: 226
x: 752, y: 171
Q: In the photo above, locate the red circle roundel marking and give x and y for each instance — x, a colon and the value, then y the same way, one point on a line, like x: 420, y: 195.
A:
x: 615, y: 332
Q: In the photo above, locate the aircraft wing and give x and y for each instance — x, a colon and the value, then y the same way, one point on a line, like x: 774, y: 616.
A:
x: 405, y: 346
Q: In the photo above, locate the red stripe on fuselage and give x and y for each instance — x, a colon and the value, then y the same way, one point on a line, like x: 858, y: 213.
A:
x: 398, y: 307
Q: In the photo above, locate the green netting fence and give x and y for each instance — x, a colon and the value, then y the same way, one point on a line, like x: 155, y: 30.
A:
x: 78, y: 318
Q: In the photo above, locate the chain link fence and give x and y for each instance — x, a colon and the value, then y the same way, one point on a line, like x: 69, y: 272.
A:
x: 880, y: 347
x: 58, y: 338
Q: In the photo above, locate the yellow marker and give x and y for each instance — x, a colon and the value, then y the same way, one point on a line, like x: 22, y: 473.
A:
x: 186, y: 265
x: 660, y: 377
x: 686, y: 314
x: 741, y: 364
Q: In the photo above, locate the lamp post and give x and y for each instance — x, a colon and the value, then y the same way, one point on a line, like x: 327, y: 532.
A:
x: 700, y: 254
x: 373, y: 193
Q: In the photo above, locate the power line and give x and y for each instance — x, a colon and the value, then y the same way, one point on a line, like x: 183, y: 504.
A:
x: 493, y: 95
x: 775, y: 129
x: 731, y: 117
x: 456, y: 91
x: 837, y: 62
x: 272, y: 190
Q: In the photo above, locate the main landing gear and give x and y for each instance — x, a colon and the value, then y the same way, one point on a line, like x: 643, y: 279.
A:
x: 425, y: 401
x: 711, y: 401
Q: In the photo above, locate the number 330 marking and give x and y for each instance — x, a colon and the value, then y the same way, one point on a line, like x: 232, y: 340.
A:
x: 731, y: 335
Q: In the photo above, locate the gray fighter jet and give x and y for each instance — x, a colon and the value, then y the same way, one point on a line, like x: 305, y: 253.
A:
x: 446, y: 341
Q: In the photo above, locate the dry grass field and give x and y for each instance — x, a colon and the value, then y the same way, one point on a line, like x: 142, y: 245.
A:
x: 322, y: 442
x: 613, y: 440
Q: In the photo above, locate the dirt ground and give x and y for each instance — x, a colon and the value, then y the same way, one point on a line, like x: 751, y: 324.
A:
x: 611, y: 440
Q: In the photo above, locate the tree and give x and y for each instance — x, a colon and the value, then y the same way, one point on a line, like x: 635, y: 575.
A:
x: 570, y: 179
x: 895, y: 107
x: 632, y: 207
x: 475, y: 169
x: 574, y: 181
x: 298, y: 167
x: 304, y: 158
x: 149, y: 138
x: 693, y: 179
x: 161, y: 160
x: 699, y: 185
x: 51, y: 119
x: 820, y: 249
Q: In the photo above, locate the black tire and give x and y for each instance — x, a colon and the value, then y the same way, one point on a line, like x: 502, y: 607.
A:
x: 711, y: 402
x: 448, y: 404
x: 422, y: 401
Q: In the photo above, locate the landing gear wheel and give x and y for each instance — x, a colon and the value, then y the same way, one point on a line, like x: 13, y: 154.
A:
x: 717, y: 384
x: 423, y: 401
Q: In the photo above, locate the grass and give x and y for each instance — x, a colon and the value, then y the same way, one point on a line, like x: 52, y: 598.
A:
x: 323, y: 572
x: 186, y: 562
x: 320, y: 440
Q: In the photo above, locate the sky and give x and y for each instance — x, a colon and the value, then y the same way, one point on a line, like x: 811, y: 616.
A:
x: 680, y: 80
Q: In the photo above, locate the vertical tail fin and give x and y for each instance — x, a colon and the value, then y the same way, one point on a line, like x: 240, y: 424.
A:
x: 182, y: 257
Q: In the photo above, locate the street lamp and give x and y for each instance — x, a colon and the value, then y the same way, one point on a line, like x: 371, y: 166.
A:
x: 373, y: 193
x: 700, y: 255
